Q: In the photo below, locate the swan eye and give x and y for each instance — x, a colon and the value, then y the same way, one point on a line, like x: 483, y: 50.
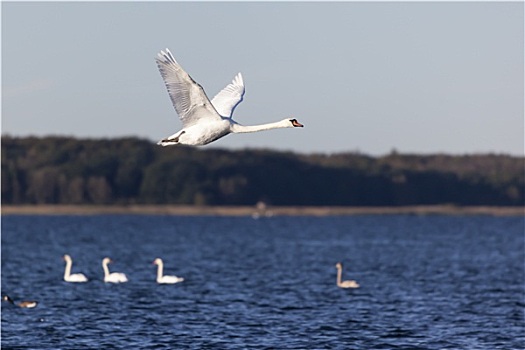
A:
x: 295, y: 123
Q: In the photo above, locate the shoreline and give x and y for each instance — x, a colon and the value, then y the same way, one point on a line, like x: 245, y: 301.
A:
x: 190, y: 210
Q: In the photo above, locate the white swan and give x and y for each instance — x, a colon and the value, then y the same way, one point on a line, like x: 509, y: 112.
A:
x: 344, y: 284
x: 165, y: 279
x: 114, y: 277
x: 76, y: 277
x: 24, y: 304
x: 204, y: 121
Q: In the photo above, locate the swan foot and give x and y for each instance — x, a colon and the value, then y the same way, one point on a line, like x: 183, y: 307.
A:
x: 170, y: 141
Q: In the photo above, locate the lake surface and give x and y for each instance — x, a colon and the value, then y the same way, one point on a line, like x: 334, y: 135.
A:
x: 427, y: 282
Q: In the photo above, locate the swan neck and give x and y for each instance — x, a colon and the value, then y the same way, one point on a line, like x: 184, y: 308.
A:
x: 238, y: 128
x: 339, y: 273
x: 159, y: 271
x: 105, y: 267
x: 67, y: 271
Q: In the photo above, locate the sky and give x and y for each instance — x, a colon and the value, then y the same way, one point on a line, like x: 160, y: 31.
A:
x: 368, y: 77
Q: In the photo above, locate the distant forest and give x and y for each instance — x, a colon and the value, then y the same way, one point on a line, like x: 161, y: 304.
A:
x: 63, y: 170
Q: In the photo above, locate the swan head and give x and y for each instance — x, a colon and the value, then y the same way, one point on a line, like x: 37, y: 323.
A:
x: 157, y: 261
x: 7, y: 298
x: 338, y: 265
x: 67, y: 257
x: 106, y: 261
x: 295, y: 123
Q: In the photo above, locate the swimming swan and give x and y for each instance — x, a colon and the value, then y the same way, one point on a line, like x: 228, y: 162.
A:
x: 204, y: 121
x: 76, y: 277
x: 165, y: 279
x: 24, y: 304
x: 114, y: 277
x: 344, y: 284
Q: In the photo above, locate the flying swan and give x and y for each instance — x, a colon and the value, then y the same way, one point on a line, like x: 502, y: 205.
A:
x: 344, y: 284
x: 76, y: 277
x: 114, y: 277
x: 165, y: 279
x: 24, y: 304
x: 204, y: 121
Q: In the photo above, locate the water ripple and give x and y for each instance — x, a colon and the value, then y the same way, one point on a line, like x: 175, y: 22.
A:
x: 432, y: 282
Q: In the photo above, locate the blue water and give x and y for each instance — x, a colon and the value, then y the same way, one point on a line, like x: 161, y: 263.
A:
x: 427, y: 282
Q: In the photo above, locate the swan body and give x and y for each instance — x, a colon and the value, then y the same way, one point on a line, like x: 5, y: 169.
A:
x: 23, y: 304
x: 76, y: 277
x: 165, y: 279
x: 205, y: 121
x: 114, y: 277
x: 347, y: 283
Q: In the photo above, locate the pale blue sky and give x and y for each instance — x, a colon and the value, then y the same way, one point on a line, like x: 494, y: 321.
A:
x: 418, y: 77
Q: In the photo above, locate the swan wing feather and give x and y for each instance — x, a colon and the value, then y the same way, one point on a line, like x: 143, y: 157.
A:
x: 116, y: 277
x: 229, y: 97
x: 188, y: 97
x: 77, y: 277
x: 170, y: 279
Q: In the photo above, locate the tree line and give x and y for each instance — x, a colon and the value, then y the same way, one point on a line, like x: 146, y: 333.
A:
x: 66, y: 170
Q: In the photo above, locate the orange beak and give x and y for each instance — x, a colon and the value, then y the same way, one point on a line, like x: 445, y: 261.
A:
x: 297, y: 124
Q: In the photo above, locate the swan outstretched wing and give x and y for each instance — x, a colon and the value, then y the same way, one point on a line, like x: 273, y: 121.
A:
x: 229, y: 97
x: 188, y: 97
